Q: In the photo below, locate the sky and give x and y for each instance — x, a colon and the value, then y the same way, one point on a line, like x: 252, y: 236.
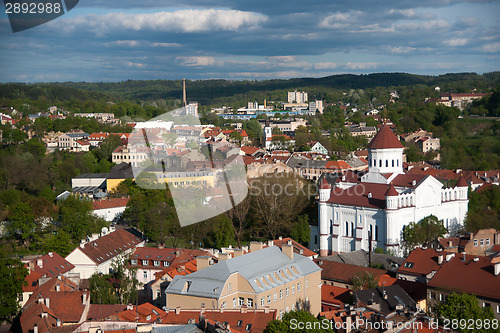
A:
x: 116, y: 40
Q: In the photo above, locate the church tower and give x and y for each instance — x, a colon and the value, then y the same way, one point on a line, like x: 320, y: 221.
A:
x: 268, y: 135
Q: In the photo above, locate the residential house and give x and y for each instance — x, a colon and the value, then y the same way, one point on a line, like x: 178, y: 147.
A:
x: 132, y: 155
x: 427, y: 144
x: 269, y: 277
x: 476, y: 275
x: 333, y: 298
x: 362, y: 130
x: 479, y: 243
x: 317, y: 147
x: 459, y: 100
x: 97, y: 254
x: 386, y: 300
x: 297, y: 247
x: 56, y: 303
x: 89, y: 184
x: 118, y: 174
x: 110, y: 209
x: 144, y: 313
x: 341, y: 275
x: 68, y: 140
x: 237, y: 320
x: 422, y: 264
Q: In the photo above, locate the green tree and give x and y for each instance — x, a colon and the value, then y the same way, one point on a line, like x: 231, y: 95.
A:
x: 22, y: 224
x: 101, y: 290
x: 422, y: 232
x: 76, y: 218
x: 60, y: 243
x: 298, y: 321
x: 465, y: 307
x: 301, y: 232
x: 12, y: 279
x: 364, y: 281
x: 35, y: 147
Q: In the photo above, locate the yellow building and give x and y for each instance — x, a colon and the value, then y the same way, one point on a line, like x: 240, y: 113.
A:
x: 265, y: 278
x: 204, y: 178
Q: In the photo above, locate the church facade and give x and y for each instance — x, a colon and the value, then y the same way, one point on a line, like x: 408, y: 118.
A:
x: 381, y: 202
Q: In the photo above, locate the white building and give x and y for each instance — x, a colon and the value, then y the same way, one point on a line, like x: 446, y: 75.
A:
x: 382, y: 202
x: 297, y: 97
x: 96, y: 254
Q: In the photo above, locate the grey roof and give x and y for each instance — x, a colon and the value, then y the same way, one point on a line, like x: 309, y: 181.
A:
x: 257, y: 268
x: 189, y: 328
x: 295, y: 162
x: 92, y: 175
x: 397, y: 299
x: 121, y: 171
x: 360, y: 258
x: 356, y: 162
x: 77, y: 135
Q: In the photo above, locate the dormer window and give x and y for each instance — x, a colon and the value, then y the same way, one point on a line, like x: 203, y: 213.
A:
x: 145, y: 262
x: 133, y: 262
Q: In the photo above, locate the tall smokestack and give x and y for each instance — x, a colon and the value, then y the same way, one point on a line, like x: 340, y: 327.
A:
x: 184, y: 101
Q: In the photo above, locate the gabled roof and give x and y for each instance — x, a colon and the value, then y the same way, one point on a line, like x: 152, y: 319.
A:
x: 335, y: 295
x: 297, y: 247
x: 110, y: 245
x: 371, y: 195
x: 255, y: 267
x: 256, y: 318
x: 421, y: 262
x: 144, y: 313
x: 51, y: 264
x: 396, y: 297
x: 384, y: 139
x: 121, y: 171
x: 472, y: 276
x: 344, y: 272
x: 110, y: 203
x: 391, y: 191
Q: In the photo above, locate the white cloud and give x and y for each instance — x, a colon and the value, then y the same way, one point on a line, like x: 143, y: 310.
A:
x: 340, y: 20
x: 281, y: 58
x: 409, y: 13
x: 456, y: 42
x: 438, y: 25
x: 166, y: 45
x: 361, y: 65
x: 196, y: 61
x: 467, y: 22
x: 186, y: 21
x: 136, y: 65
x: 325, y: 65
x: 491, y: 47
x: 401, y: 49
x: 130, y: 43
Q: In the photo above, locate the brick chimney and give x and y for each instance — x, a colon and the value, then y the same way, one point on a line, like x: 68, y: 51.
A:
x: 440, y: 259
x: 237, y: 253
x: 177, y: 310
x: 202, y: 262
x: 224, y: 256
x: 288, y: 250
x: 255, y: 246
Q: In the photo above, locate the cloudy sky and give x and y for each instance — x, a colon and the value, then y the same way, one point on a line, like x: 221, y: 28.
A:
x: 114, y: 40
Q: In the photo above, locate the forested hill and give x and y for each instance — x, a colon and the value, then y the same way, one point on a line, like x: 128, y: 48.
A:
x: 205, y: 91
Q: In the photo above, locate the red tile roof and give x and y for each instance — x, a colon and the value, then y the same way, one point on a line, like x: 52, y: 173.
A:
x: 99, y: 312
x: 110, y: 203
x: 248, y: 150
x: 110, y: 245
x: 470, y: 276
x: 344, y: 272
x: 297, y: 247
x: 324, y: 184
x: 144, y: 313
x: 358, y: 195
x: 391, y: 191
x: 462, y: 183
x: 258, y: 319
x: 421, y: 262
x: 51, y: 264
x: 385, y: 138
x: 335, y: 295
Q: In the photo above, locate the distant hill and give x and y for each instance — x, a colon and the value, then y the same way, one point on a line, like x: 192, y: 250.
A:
x: 205, y: 91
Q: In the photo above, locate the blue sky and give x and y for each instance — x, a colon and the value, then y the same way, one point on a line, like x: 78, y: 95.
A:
x: 109, y: 40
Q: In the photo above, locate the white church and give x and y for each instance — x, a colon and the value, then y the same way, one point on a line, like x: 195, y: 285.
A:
x: 381, y: 202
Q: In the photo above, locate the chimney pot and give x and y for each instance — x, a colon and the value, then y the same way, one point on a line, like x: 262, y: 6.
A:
x: 497, y: 268
x: 177, y: 310
x: 288, y: 250
x: 440, y: 259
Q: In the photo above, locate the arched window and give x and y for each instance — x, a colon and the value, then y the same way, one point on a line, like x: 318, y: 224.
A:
x: 352, y: 229
x: 347, y: 229
x: 397, y: 162
x: 406, y: 201
x: 380, y: 163
x: 393, y: 163
x: 386, y: 163
x: 331, y: 227
x: 376, y: 232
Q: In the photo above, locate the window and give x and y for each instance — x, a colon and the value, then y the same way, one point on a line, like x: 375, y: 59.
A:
x: 268, y: 299
x: 393, y: 163
x: 250, y: 302
x: 241, y: 301
x: 482, y: 242
x: 347, y: 228
x: 380, y: 163
x: 281, y: 294
x: 145, y: 273
x: 238, y: 324
x: 224, y: 304
x: 145, y: 262
x: 487, y: 241
x: 486, y: 305
x: 386, y: 163
x: 262, y: 301
x: 281, y: 314
x: 307, y: 283
x: 133, y: 262
x: 275, y: 297
x: 166, y: 264
x: 248, y: 327
x: 286, y: 292
x: 498, y: 308
x: 293, y: 290
x: 156, y: 263
x: 475, y: 242
x: 298, y: 287
x: 293, y: 307
x: 229, y: 286
x: 234, y: 302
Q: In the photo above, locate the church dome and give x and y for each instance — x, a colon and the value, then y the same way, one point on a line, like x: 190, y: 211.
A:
x: 385, y: 139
